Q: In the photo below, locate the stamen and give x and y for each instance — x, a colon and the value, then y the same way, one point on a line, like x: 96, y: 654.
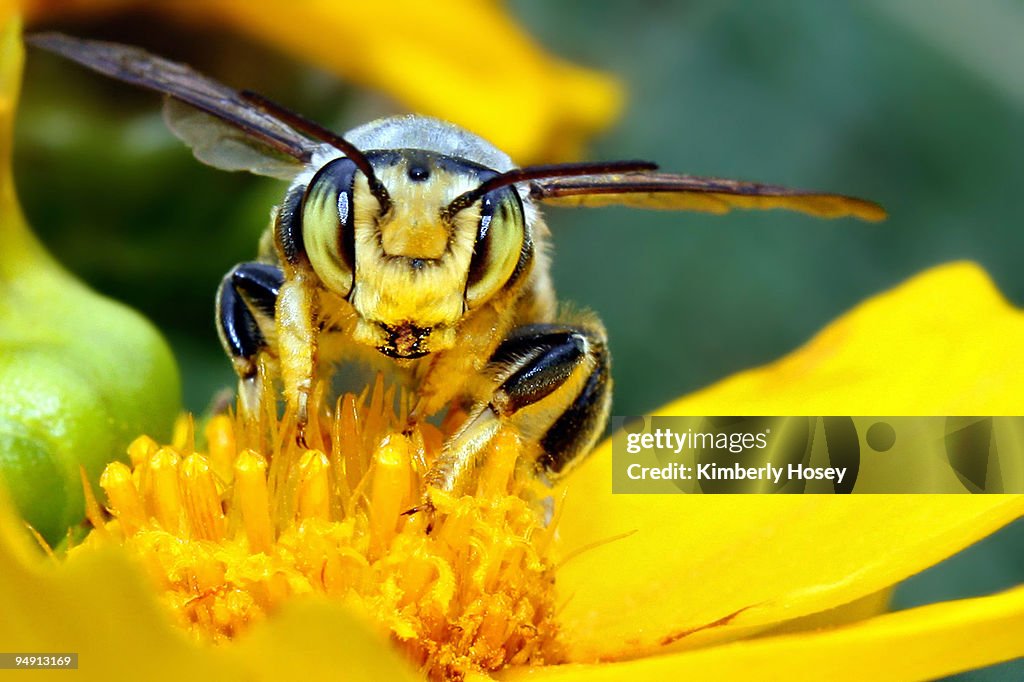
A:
x: 141, y: 449
x: 124, y: 498
x: 184, y: 437
x: 314, y: 499
x: 253, y: 500
x: 163, y: 493
x: 220, y: 441
x: 391, y: 489
x: 202, y: 503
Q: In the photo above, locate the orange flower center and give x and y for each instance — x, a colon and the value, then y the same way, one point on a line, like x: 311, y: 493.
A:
x: 232, y: 532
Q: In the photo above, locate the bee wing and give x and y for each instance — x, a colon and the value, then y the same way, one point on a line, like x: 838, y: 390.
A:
x: 227, y: 131
x: 224, y: 145
x: 691, y: 193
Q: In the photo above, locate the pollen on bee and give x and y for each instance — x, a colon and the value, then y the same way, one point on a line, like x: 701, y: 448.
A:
x: 231, y: 529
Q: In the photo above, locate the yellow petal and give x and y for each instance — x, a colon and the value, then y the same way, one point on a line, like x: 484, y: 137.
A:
x: 465, y: 61
x: 918, y: 644
x: 703, y: 569
x: 944, y: 343
x: 98, y: 605
x: 685, y: 571
x: 318, y: 641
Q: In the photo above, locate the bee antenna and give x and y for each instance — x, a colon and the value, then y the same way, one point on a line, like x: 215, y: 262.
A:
x: 557, y: 170
x: 317, y: 131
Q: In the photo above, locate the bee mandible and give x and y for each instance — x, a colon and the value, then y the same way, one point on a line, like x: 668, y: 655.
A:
x: 422, y: 243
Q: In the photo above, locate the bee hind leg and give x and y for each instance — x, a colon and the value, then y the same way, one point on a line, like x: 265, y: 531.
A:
x: 246, y: 300
x: 553, y: 389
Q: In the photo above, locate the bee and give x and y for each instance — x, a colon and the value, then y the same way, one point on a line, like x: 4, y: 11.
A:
x: 423, y: 244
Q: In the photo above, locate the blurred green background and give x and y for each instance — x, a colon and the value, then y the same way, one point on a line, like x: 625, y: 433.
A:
x: 917, y: 105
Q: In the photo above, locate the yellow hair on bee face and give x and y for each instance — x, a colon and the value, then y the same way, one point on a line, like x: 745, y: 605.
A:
x: 413, y: 228
x: 411, y: 264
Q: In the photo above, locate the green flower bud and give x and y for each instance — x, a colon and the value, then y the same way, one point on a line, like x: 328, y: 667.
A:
x: 80, y: 375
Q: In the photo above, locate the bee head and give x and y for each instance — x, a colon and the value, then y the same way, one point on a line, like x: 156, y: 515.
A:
x: 411, y: 267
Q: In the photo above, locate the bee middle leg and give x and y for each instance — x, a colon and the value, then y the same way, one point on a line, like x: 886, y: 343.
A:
x: 553, y: 388
x: 246, y: 301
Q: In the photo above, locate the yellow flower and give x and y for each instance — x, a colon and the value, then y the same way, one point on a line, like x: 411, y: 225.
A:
x: 630, y: 587
x: 257, y: 560
x: 462, y: 60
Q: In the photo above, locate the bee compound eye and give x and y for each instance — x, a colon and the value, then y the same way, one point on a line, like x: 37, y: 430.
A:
x: 327, y: 224
x: 500, y: 245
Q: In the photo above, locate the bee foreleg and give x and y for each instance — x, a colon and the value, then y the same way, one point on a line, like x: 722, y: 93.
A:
x: 552, y: 389
x: 297, y: 342
x: 246, y: 301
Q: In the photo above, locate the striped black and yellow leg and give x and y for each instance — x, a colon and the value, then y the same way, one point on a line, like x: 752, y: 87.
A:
x: 246, y: 301
x: 552, y: 388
